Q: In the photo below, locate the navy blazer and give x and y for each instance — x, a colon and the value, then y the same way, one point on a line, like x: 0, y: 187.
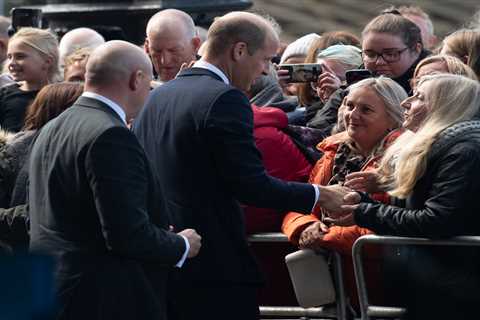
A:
x: 197, y: 132
x: 92, y: 206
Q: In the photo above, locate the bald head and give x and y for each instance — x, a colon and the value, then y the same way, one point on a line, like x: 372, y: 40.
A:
x: 239, y: 26
x: 122, y: 72
x: 171, y: 20
x: 113, y: 62
x: 79, y: 38
x: 171, y: 41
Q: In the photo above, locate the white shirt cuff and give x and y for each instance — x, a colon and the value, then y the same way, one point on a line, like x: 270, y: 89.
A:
x: 184, y: 256
x: 317, y: 195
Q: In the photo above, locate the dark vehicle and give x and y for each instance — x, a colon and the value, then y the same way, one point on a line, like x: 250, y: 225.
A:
x: 124, y: 20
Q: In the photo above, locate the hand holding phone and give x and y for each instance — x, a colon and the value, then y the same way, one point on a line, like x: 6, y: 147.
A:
x: 328, y: 82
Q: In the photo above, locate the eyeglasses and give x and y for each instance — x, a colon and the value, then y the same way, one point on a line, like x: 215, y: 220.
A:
x: 391, y: 55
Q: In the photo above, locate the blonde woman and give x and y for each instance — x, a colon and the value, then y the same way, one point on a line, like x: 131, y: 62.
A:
x: 32, y: 62
x: 442, y: 63
x: 414, y: 117
x: 437, y: 172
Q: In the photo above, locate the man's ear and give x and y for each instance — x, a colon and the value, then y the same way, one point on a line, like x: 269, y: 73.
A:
x: 196, y: 43
x: 418, y: 47
x: 145, y: 46
x: 239, y: 51
x: 134, y: 80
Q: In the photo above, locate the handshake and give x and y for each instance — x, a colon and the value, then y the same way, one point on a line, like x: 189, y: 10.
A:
x: 339, y: 203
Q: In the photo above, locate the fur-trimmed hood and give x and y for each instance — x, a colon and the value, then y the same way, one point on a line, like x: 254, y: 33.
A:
x: 5, y: 137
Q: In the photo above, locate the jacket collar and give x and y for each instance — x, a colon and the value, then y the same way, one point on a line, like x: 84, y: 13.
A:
x: 99, y: 105
x: 198, y: 72
x: 404, y: 80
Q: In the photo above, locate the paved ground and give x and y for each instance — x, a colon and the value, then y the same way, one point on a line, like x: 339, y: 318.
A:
x: 298, y: 17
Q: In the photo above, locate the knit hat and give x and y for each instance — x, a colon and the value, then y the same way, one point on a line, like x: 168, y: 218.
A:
x: 346, y: 54
x: 299, y: 47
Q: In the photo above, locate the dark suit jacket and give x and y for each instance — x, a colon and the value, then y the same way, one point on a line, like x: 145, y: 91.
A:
x: 198, y: 133
x: 92, y: 206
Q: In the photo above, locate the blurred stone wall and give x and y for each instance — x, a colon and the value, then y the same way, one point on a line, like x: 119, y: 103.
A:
x: 299, y: 17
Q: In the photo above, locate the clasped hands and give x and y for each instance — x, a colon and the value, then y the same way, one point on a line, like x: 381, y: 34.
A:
x: 338, y: 203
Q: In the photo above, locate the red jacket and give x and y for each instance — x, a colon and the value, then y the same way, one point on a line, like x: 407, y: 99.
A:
x: 282, y: 159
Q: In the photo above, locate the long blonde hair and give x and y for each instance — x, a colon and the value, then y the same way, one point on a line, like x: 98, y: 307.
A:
x: 452, y: 99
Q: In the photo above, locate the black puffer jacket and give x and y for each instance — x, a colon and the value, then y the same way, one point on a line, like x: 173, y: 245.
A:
x: 439, y: 283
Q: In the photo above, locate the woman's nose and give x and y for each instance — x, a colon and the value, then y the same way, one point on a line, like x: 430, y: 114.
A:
x: 11, y: 61
x: 354, y: 114
x: 406, y: 103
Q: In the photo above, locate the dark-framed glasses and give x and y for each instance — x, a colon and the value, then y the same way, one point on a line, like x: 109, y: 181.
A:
x: 390, y: 55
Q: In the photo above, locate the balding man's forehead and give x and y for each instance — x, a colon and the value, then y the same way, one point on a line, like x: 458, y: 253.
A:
x: 167, y: 29
x: 171, y: 22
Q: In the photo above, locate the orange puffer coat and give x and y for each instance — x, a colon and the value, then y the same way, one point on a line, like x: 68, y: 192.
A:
x: 338, y: 238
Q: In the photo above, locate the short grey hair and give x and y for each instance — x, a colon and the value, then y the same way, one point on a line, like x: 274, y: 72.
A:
x: 347, y: 55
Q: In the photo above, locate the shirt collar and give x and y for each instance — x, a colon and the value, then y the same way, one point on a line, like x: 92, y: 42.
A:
x: 205, y: 65
x: 115, y: 107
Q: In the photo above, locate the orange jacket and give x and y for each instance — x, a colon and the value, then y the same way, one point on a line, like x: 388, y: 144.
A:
x: 337, y: 238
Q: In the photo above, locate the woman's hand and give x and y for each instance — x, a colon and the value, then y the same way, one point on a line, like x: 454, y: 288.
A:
x: 367, y: 181
x: 310, y: 237
x: 327, y: 83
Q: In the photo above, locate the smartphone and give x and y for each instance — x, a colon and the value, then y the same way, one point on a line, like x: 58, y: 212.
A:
x: 356, y: 75
x: 25, y: 17
x: 306, y: 72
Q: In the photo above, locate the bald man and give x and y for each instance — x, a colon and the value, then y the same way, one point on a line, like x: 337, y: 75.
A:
x: 197, y: 132
x: 171, y: 41
x: 91, y: 198
x: 423, y: 21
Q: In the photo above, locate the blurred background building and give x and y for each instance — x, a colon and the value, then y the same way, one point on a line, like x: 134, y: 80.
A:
x: 296, y: 17
x: 299, y: 17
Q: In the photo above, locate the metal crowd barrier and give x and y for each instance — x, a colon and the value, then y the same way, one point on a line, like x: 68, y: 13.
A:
x: 337, y: 311
x: 370, y: 311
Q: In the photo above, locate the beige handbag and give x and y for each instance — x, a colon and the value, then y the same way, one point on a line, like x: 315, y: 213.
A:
x: 311, y: 278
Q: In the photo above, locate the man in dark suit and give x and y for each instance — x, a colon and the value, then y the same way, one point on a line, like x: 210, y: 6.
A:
x: 197, y: 131
x: 91, y: 198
